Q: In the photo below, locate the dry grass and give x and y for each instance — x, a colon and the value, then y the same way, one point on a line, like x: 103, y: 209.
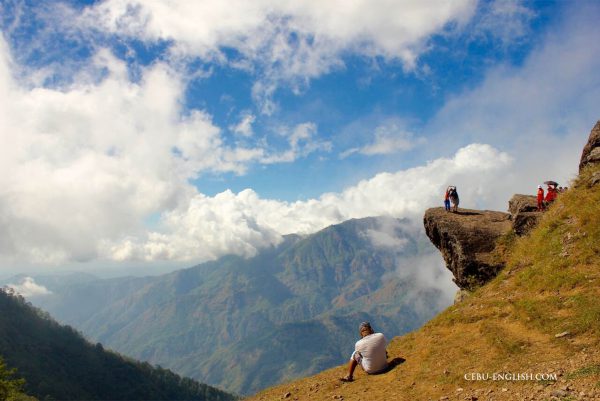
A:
x: 551, y: 285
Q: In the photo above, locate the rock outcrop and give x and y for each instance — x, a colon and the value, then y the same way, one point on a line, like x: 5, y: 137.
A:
x: 520, y: 203
x: 591, y: 150
x: 591, y: 155
x: 467, y: 240
x: 524, y: 214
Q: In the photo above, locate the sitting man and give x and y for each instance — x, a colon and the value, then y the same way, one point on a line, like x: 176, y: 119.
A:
x: 369, y: 352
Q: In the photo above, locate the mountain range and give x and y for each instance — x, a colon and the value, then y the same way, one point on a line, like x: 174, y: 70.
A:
x: 245, y: 324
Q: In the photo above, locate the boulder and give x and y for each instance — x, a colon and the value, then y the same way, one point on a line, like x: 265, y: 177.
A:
x: 524, y: 214
x: 591, y: 150
x: 467, y: 240
x: 522, y: 203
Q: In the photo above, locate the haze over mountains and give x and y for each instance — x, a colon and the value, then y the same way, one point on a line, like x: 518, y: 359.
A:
x: 245, y: 324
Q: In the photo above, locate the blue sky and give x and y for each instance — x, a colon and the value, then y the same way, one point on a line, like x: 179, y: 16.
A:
x: 180, y: 131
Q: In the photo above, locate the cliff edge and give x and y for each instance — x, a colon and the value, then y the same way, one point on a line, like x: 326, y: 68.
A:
x: 467, y: 240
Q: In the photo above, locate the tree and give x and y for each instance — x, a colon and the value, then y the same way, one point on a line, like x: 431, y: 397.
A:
x: 10, y: 387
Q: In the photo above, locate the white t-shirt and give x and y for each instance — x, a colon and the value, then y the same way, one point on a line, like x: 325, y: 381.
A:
x: 369, y: 352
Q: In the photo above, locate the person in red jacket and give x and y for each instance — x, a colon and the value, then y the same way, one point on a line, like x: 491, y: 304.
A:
x: 551, y: 194
x: 540, y: 198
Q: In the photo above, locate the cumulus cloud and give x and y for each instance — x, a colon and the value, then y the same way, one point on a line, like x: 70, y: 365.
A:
x: 389, y: 28
x: 289, y: 42
x: 242, y: 223
x: 92, y: 160
x: 29, y: 288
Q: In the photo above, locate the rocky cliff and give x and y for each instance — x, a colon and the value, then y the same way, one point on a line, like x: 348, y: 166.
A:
x: 467, y: 240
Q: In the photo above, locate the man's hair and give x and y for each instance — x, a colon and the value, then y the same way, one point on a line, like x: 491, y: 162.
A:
x: 365, y: 326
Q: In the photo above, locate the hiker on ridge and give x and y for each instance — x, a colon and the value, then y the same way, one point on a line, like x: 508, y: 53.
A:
x: 540, y: 199
x: 369, y: 352
x: 454, y: 199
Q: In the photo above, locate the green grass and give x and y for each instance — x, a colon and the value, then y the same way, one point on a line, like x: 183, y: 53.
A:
x: 541, y: 313
x: 501, y: 339
x: 592, y: 370
x: 556, y: 266
x: 586, y: 313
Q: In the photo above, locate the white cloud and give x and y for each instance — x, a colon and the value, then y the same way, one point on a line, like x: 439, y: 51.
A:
x: 302, y: 140
x: 207, y: 228
x: 507, y: 21
x: 94, y: 156
x: 86, y: 164
x: 393, y: 234
x: 29, y: 288
x: 428, y: 271
x: 384, y: 239
x: 424, y: 269
x: 389, y: 28
x: 244, y: 127
x: 289, y: 42
x: 242, y: 223
x: 91, y: 161
x: 389, y: 137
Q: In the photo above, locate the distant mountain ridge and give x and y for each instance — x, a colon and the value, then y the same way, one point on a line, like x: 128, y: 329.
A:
x: 244, y: 324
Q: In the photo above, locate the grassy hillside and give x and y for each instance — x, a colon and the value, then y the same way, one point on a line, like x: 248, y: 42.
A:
x: 58, y: 363
x: 540, y: 315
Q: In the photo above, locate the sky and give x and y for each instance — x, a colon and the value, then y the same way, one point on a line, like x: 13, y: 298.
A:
x: 137, y: 134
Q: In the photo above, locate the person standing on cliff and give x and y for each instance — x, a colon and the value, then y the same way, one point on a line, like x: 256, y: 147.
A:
x: 369, y: 352
x: 447, y: 199
x: 540, y: 199
x: 454, y: 199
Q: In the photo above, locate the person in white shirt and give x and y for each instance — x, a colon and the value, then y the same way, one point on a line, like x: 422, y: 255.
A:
x: 369, y: 352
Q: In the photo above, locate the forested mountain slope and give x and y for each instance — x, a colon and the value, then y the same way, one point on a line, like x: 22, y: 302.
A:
x: 58, y: 363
